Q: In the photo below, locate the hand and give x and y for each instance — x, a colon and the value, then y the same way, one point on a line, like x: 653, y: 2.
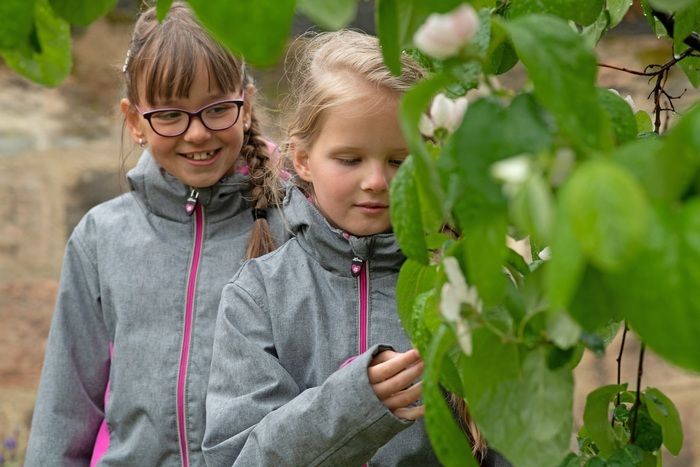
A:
x: 392, y: 376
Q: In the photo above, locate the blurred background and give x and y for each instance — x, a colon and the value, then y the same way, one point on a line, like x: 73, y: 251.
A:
x: 62, y: 152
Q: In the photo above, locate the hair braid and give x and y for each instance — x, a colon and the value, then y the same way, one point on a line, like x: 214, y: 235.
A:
x: 265, y: 191
x: 466, y: 423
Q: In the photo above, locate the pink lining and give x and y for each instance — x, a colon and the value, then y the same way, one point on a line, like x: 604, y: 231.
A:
x: 102, y: 441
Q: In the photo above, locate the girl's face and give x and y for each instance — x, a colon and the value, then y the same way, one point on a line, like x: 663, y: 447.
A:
x: 199, y: 157
x: 351, y: 162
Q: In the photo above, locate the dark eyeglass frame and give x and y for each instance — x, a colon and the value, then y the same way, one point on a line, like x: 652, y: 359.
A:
x: 197, y: 113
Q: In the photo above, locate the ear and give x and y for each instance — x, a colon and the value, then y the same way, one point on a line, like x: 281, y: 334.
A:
x: 132, y: 119
x: 300, y: 159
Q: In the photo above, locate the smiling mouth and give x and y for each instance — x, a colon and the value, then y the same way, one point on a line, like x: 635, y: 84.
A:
x: 200, y: 156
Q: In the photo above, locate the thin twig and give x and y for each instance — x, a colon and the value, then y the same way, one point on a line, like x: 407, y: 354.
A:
x: 637, y: 402
x: 619, y: 369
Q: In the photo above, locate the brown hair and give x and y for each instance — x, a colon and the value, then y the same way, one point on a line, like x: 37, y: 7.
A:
x: 165, y: 56
x: 327, y: 69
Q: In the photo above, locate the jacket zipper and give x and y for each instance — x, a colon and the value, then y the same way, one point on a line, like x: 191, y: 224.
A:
x: 187, y: 331
x: 360, y: 269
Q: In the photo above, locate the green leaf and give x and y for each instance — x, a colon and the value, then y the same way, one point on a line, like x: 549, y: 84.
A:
x: 627, y: 456
x: 648, y: 434
x: 596, y: 417
x: 52, y: 64
x: 330, y: 14
x: 563, y: 272
x: 272, y: 16
x: 686, y: 21
x: 670, y: 6
x: 655, y: 293
x: 449, y: 442
x: 413, y: 104
x: 387, y: 24
x: 580, y: 12
x: 618, y: 9
x: 406, y: 213
x: 81, y: 12
x: 562, y: 330
x: 664, y: 412
x: 498, y: 386
x: 623, y: 122
x: 414, y: 279
x: 608, y: 213
x: 162, y: 8
x: 425, y: 310
x: 592, y: 306
x: 691, y: 68
x: 563, y: 71
x: 592, y: 33
x: 532, y: 209
x: 16, y: 23
x: 501, y: 55
x: 643, y: 120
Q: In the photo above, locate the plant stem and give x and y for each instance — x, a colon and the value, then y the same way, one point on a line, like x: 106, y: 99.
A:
x: 637, y: 402
x: 619, y: 369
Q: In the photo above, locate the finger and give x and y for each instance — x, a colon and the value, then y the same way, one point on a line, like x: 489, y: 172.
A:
x: 392, y: 366
x: 410, y: 413
x: 403, y: 398
x: 383, y: 357
x: 398, y: 382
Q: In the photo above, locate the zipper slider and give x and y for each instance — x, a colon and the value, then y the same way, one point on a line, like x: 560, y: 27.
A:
x: 356, y: 266
x: 192, y: 201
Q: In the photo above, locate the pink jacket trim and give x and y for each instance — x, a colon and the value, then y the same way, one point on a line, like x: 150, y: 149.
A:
x: 102, y: 440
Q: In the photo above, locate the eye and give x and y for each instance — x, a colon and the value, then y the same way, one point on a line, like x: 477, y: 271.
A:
x: 396, y: 161
x: 220, y: 109
x: 168, y: 115
x: 348, y: 160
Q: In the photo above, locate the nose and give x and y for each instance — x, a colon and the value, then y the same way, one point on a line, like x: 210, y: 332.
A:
x: 196, y: 132
x: 376, y: 178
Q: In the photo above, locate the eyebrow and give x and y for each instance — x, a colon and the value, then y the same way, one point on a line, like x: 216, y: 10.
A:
x: 358, y: 150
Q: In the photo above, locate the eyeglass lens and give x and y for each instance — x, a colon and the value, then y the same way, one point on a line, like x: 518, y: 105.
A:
x: 174, y: 122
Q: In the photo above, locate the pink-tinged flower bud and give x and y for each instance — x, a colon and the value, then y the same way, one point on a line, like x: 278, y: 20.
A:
x: 442, y: 36
x: 459, y: 107
x: 447, y: 113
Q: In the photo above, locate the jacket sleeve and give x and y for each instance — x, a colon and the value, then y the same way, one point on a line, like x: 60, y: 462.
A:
x: 69, y: 405
x: 258, y: 415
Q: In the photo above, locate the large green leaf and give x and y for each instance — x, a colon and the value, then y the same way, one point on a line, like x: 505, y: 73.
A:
x: 330, y: 14
x: 608, y: 213
x: 413, y: 105
x: 656, y: 293
x: 663, y: 411
x: 620, y: 113
x: 239, y: 24
x: 81, y: 12
x: 596, y: 417
x: 538, y: 436
x: 414, y: 280
x: 592, y: 305
x: 16, y: 22
x: 52, y: 63
x: 582, y: 12
x: 449, y: 442
x: 618, y: 9
x: 386, y: 17
x: 162, y: 8
x: 563, y: 71
x: 686, y: 21
x: 406, y: 213
x: 670, y: 6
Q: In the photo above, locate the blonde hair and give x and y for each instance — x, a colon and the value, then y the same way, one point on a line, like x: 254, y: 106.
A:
x: 327, y: 69
x: 165, y: 56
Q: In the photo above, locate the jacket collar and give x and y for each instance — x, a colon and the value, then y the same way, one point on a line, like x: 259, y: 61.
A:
x: 333, y: 248
x: 165, y: 195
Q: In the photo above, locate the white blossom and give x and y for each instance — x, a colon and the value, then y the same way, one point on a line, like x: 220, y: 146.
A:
x: 443, y: 35
x: 455, y: 293
x: 512, y: 171
x: 545, y: 254
x: 445, y: 113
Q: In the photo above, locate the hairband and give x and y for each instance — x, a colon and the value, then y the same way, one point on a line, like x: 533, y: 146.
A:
x: 259, y: 214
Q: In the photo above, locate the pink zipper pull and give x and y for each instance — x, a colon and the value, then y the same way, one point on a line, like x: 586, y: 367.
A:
x: 356, y: 266
x: 191, y: 202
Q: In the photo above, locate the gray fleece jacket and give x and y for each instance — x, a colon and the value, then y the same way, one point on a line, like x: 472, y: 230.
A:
x: 129, y: 349
x: 279, y: 394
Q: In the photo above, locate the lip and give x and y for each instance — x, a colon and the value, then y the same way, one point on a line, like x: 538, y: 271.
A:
x: 372, y: 208
x: 204, y: 162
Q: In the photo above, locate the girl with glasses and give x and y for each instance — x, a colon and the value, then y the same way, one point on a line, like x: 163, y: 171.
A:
x: 128, y: 354
x: 310, y: 363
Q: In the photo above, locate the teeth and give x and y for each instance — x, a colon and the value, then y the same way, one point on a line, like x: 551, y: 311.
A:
x: 200, y: 156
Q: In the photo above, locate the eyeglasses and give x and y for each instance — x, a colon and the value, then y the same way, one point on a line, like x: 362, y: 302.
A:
x: 218, y: 116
